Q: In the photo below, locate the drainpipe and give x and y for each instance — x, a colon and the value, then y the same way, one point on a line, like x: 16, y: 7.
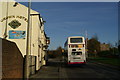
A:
x: 5, y: 33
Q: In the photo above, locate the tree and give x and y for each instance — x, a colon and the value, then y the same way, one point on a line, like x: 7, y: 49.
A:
x: 59, y: 51
x: 93, y: 45
x: 55, y: 53
x: 52, y: 53
x: 119, y: 47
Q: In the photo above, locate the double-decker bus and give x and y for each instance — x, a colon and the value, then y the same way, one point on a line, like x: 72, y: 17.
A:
x: 74, y: 50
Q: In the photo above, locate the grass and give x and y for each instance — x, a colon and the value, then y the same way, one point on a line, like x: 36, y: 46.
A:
x: 111, y: 61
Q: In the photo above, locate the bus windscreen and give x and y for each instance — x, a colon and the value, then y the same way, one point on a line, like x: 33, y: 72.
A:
x: 76, y: 40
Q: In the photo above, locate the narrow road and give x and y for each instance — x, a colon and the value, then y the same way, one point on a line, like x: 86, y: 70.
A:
x: 58, y: 70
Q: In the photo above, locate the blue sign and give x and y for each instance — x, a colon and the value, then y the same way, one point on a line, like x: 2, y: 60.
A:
x: 17, y: 34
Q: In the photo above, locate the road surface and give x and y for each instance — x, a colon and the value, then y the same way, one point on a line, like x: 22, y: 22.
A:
x: 57, y: 70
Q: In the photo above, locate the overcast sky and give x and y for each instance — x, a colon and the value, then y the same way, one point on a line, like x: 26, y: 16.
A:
x: 64, y: 19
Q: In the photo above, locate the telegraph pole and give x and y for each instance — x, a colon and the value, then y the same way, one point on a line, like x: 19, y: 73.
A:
x: 27, y: 72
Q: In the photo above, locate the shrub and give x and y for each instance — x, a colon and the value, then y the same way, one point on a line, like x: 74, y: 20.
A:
x: 105, y: 54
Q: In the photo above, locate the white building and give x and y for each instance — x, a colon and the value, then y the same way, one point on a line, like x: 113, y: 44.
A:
x: 13, y: 27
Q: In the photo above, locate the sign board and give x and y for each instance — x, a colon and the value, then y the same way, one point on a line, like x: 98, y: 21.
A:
x: 14, y: 24
x: 13, y: 34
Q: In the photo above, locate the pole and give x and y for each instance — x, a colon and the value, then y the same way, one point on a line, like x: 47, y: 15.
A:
x: 86, y: 44
x: 5, y: 33
x: 27, y: 72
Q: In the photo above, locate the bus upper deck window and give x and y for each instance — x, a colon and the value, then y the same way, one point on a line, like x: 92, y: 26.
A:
x: 76, y: 40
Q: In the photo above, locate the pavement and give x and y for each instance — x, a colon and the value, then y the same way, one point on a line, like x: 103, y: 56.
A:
x: 52, y: 70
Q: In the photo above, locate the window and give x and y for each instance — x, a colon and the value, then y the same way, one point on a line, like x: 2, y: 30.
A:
x: 76, y: 40
x: 76, y: 53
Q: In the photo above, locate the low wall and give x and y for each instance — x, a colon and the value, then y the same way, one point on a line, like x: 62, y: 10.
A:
x: 12, y: 60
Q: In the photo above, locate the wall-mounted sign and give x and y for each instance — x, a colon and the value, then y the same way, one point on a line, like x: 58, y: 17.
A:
x: 14, y: 24
x: 13, y: 16
x: 17, y: 34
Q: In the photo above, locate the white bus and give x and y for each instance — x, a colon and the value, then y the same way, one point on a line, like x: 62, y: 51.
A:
x: 74, y: 50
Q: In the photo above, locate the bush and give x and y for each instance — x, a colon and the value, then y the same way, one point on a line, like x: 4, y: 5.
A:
x: 91, y: 54
x: 52, y: 56
x: 107, y: 54
x: 104, y: 54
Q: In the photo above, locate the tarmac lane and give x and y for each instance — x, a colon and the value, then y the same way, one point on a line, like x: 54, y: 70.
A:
x: 92, y: 71
x: 57, y: 70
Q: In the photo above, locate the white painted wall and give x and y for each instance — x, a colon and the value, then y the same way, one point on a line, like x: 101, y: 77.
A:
x: 35, y: 38
x: 19, y: 10
x: 37, y: 35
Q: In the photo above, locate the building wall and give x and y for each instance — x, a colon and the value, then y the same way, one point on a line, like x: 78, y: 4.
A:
x: 43, y: 42
x: 37, y: 36
x: 104, y: 47
x: 35, y: 42
x: 14, y: 12
x: 40, y: 47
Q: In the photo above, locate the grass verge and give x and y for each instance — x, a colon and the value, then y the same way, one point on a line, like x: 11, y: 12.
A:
x: 110, y: 61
